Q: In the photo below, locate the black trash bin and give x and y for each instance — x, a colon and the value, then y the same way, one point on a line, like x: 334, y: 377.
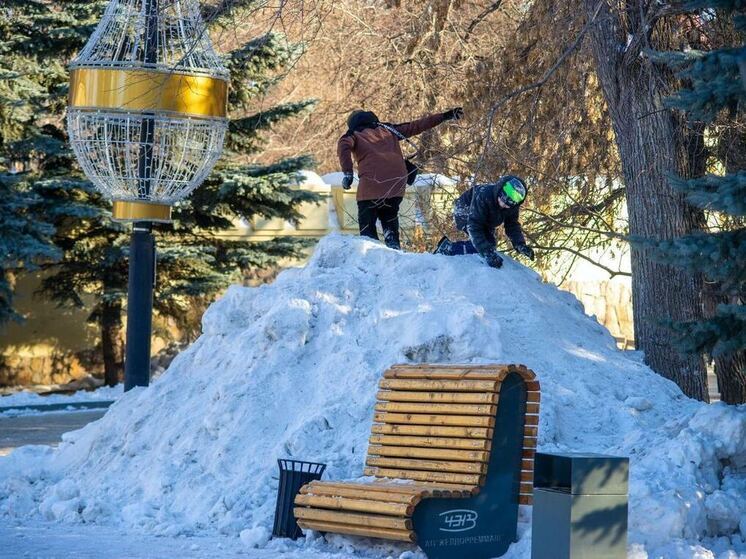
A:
x: 294, y: 474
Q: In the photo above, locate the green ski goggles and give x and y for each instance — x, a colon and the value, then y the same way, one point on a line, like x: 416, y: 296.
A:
x: 512, y: 193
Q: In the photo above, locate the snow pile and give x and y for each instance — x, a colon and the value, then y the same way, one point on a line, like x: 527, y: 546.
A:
x: 290, y: 370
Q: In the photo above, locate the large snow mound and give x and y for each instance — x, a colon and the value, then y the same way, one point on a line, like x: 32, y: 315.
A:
x: 290, y: 370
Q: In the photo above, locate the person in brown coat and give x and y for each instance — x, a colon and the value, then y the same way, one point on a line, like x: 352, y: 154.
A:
x: 381, y: 169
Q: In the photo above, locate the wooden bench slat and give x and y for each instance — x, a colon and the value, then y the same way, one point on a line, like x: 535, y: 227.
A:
x: 445, y: 409
x: 434, y: 419
x: 383, y: 533
x: 420, y: 475
x: 436, y: 489
x: 418, y: 488
x: 448, y: 366
x: 358, y: 505
x: 443, y: 373
x: 365, y: 493
x: 431, y: 442
x: 438, y: 397
x: 440, y: 385
x: 353, y: 519
x: 378, y: 489
x: 434, y: 453
x: 433, y: 431
x: 376, y: 485
x: 440, y: 368
x: 427, y: 465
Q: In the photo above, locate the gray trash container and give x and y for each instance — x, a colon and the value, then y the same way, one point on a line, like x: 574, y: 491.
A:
x: 580, y: 506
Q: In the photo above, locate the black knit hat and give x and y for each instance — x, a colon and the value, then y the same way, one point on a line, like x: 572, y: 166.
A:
x: 360, y: 119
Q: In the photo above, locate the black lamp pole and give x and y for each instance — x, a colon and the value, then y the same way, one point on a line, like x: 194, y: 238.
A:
x: 142, y: 243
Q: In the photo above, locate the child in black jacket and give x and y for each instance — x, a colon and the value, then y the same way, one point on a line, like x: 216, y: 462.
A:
x: 481, y: 209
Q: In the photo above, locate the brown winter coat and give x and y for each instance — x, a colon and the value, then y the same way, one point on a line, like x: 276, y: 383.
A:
x: 381, y: 169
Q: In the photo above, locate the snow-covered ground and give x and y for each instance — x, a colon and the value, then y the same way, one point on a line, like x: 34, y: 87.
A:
x: 290, y: 370
x: 28, y: 398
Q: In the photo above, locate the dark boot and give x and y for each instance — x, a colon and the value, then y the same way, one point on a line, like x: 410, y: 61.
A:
x: 444, y: 247
x: 388, y: 213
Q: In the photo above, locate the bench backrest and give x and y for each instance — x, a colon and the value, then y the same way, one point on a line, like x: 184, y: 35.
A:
x: 435, y: 424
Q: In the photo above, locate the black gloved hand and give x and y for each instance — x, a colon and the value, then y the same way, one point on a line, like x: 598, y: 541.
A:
x: 525, y: 250
x: 454, y: 114
x: 493, y: 260
x: 347, y: 181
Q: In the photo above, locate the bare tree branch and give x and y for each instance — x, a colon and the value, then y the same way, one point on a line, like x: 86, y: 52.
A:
x: 481, y: 17
x: 612, y: 273
x: 537, y: 84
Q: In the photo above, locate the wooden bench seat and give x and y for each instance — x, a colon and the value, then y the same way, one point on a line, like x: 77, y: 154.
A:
x: 451, y: 456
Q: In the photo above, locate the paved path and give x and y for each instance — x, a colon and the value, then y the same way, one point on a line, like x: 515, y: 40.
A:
x: 38, y: 540
x: 45, y: 428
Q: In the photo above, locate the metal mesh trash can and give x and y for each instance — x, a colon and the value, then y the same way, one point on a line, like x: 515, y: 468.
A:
x: 294, y: 474
x: 580, y: 506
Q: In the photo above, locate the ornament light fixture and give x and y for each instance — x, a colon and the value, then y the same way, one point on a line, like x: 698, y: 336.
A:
x: 147, y: 106
x: 147, y: 118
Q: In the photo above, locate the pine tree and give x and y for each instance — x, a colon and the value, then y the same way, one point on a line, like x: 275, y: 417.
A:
x: 714, y: 93
x: 25, y: 231
x: 193, y: 260
x: 25, y: 239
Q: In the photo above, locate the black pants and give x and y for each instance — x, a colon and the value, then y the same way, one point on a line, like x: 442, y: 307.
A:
x: 387, y: 211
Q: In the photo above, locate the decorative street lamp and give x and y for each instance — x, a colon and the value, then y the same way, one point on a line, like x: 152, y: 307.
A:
x: 147, y: 121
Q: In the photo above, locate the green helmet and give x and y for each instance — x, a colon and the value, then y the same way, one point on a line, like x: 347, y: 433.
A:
x: 512, y: 191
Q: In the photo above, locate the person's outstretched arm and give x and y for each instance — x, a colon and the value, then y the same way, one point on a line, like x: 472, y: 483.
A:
x: 423, y: 124
x: 513, y: 228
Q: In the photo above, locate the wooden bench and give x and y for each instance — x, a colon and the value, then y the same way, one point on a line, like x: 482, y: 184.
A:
x: 451, y: 453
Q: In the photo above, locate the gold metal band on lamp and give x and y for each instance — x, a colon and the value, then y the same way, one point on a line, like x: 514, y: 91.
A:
x: 140, y: 211
x: 148, y: 91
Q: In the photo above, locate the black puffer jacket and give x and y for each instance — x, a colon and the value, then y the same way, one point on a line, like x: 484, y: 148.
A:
x: 481, y: 218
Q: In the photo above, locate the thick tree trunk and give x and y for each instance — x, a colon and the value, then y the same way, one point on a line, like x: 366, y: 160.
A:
x: 730, y: 371
x: 111, y: 342
x: 653, y: 144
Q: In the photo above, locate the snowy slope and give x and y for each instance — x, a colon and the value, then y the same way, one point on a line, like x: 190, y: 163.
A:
x: 290, y: 370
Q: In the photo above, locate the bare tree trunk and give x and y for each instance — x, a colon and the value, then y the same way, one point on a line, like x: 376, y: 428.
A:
x: 653, y: 143
x: 730, y: 370
x: 111, y: 341
x: 731, y: 374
